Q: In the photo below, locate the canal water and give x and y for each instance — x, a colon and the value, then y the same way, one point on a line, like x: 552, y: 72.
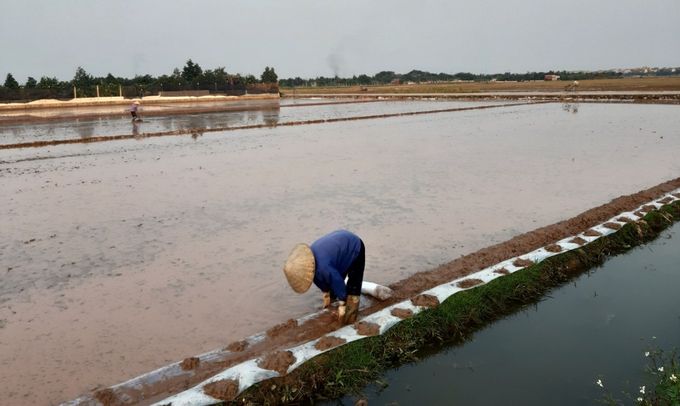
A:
x: 597, y: 327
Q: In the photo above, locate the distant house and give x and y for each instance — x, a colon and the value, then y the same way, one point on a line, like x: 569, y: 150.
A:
x: 395, y: 82
x: 551, y: 77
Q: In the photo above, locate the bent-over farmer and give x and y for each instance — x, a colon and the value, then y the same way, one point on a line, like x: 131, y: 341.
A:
x: 328, y: 262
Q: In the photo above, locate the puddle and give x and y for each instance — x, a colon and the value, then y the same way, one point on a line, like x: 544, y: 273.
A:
x: 597, y: 327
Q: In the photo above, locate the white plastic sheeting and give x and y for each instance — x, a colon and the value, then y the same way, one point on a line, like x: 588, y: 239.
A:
x: 249, y: 373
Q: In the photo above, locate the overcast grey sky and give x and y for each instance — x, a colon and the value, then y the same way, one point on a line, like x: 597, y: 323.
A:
x: 310, y: 38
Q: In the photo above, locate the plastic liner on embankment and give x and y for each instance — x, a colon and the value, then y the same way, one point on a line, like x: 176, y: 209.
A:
x: 280, y: 350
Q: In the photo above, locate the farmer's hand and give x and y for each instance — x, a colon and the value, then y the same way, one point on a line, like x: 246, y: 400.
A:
x: 326, y: 299
x: 341, y: 311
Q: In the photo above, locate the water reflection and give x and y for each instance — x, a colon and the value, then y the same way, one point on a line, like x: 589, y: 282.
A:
x: 86, y: 128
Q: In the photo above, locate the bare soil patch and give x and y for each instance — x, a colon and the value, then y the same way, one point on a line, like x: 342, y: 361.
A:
x: 468, y: 283
x: 666, y: 200
x: 592, y: 233
x: 520, y: 262
x: 401, y: 313
x: 502, y: 271
x: 553, y: 248
x: 425, y: 301
x: 281, y: 328
x: 107, y: 397
x: 578, y: 240
x: 365, y: 328
x: 226, y: 389
x: 612, y: 226
x: 190, y: 363
x: 237, y: 346
x: 278, y: 361
x: 329, y: 342
x: 647, y: 208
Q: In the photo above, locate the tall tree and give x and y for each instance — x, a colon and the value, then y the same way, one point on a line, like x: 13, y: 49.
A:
x: 269, y: 76
x: 31, y: 83
x: 10, y: 82
x: 191, y: 72
x: 48, y: 83
x: 82, y: 78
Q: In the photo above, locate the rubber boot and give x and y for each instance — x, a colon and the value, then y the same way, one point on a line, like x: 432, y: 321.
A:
x: 352, y: 309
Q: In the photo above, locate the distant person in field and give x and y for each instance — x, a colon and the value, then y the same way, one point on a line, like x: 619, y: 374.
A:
x: 133, y: 110
x: 328, y: 262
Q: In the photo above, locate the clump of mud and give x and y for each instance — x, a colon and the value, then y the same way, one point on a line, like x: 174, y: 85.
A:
x: 401, y: 313
x: 624, y: 219
x: 612, y: 226
x: 237, y: 346
x: 578, y: 240
x: 106, y: 397
x: 647, y: 208
x: 328, y: 342
x: 225, y: 389
x: 592, y: 233
x: 522, y: 263
x: 278, y: 361
x: 553, y: 248
x: 468, y: 283
x: 280, y: 328
x: 425, y: 301
x: 367, y: 329
x: 189, y: 363
x: 666, y: 200
x: 677, y: 195
x: 502, y: 271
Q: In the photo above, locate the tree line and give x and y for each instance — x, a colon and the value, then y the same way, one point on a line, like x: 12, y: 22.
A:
x: 418, y: 76
x: 191, y: 77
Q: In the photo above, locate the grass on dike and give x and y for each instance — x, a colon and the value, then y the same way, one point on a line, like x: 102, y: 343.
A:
x: 349, y: 368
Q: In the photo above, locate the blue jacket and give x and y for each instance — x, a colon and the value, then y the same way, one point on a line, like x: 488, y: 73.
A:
x: 333, y: 254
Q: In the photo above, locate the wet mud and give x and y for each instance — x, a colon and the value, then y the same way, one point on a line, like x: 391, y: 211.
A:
x: 329, y: 342
x: 237, y: 346
x: 278, y: 361
x: 365, y: 328
x: 468, y: 283
x: 592, y: 233
x: 521, y: 262
x: 425, y: 300
x: 502, y: 271
x: 401, y: 313
x: 578, y: 240
x: 553, y: 248
x: 281, y: 328
x: 190, y: 363
x: 225, y: 389
x: 612, y: 226
x: 107, y: 398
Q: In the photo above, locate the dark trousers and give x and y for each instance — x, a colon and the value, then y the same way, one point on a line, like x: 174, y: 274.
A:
x: 355, y: 274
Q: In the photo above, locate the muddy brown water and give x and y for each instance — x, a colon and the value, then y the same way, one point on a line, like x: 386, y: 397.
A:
x: 121, y: 257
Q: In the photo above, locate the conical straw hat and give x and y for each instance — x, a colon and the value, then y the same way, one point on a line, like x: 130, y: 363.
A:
x: 299, y: 268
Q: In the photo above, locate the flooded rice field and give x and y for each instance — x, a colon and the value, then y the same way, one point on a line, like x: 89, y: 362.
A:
x: 597, y: 328
x: 120, y: 257
x: 289, y: 110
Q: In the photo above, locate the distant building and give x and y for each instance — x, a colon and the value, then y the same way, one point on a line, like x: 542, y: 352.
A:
x: 551, y: 77
x: 395, y: 82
